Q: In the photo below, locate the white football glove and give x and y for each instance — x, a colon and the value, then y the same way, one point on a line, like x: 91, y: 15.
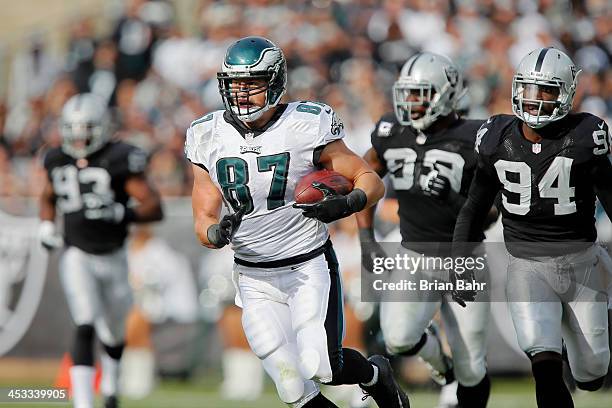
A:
x: 112, y: 213
x: 48, y: 235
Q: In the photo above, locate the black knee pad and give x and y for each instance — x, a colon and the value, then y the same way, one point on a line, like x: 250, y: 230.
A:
x: 591, y: 385
x: 417, y: 347
x: 82, y: 351
x: 114, y: 352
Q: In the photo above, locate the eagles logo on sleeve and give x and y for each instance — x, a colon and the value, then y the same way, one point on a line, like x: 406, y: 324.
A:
x: 336, y: 125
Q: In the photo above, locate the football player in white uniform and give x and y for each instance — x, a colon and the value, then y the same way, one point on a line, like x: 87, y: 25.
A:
x: 250, y: 156
x: 428, y: 152
x: 90, y: 180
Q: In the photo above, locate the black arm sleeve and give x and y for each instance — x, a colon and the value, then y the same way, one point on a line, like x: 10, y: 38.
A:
x: 473, y: 214
x: 456, y: 200
x: 602, y: 176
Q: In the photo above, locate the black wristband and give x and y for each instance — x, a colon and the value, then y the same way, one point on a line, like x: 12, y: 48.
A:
x: 366, y: 235
x: 357, y: 200
x: 214, y: 236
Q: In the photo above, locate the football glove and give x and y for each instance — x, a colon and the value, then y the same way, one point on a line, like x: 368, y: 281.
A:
x: 113, y: 213
x: 370, y: 249
x: 222, y: 233
x: 436, y: 185
x: 462, y: 296
x: 48, y: 236
x: 333, y: 206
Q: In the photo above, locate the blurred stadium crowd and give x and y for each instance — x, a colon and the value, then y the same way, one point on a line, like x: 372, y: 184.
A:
x: 158, y: 78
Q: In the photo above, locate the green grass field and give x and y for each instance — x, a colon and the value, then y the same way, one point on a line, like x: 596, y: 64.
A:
x: 505, y: 394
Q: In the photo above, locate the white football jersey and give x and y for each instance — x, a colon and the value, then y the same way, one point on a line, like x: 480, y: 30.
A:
x: 260, y: 169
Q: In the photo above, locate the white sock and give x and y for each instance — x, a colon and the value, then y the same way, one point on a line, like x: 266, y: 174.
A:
x: 137, y: 377
x: 374, y: 379
x: 82, y: 380
x: 109, y: 386
x: 431, y: 353
x: 448, y: 395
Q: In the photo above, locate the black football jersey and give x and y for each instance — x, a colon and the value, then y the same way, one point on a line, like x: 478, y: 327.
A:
x: 91, y: 183
x: 409, y: 156
x: 548, y: 188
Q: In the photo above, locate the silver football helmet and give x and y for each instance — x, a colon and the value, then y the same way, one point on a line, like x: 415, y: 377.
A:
x: 84, y: 125
x: 252, y: 58
x: 544, y: 71
x: 426, y: 80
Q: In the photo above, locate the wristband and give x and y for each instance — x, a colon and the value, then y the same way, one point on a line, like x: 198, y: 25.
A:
x: 356, y: 200
x: 366, y: 235
x: 213, y: 234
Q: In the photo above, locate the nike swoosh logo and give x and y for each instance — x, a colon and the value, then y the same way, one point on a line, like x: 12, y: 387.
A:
x: 489, y: 120
x: 601, y: 125
x: 328, y: 111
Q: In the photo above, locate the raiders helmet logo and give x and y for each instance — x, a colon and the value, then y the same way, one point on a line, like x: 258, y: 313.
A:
x: 574, y: 71
x: 452, y: 75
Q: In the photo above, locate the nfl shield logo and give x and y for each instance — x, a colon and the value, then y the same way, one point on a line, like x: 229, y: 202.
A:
x: 536, y: 148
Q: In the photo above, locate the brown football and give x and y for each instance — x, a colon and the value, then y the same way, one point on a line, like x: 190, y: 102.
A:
x: 305, y: 193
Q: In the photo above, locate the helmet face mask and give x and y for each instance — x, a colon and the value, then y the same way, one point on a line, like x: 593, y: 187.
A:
x: 543, y: 87
x: 80, y: 138
x: 84, y: 125
x: 247, y: 96
x: 252, y: 66
x: 415, y: 104
x: 427, y: 88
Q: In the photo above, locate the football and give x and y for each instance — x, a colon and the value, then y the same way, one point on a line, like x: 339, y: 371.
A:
x: 305, y: 193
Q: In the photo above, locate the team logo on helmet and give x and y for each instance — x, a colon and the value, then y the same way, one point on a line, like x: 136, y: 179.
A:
x: 575, y: 71
x: 451, y: 74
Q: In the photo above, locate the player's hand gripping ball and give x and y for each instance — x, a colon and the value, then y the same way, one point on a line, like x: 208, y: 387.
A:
x: 307, y: 193
x: 323, y: 197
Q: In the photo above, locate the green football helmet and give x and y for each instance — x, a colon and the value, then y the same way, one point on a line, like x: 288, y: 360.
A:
x: 254, y: 58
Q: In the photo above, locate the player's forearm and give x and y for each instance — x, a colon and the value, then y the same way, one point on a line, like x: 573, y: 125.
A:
x: 456, y: 200
x: 365, y: 222
x: 371, y: 184
x: 471, y: 218
x: 149, y: 207
x: 202, y: 224
x: 47, y: 210
x: 47, y: 204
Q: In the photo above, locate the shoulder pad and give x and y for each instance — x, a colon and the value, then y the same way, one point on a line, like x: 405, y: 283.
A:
x: 466, y: 130
x: 385, y: 125
x: 52, y: 157
x: 491, y: 132
x: 200, y: 130
x: 201, y: 127
x: 128, y: 158
x: 591, y: 132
